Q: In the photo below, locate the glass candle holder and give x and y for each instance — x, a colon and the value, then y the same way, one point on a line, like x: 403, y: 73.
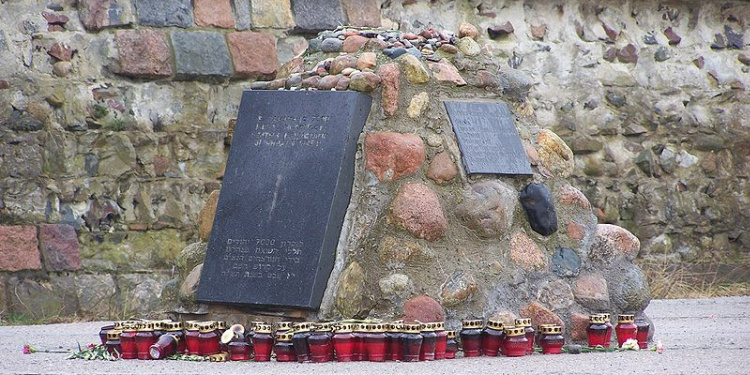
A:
x: 441, y: 340
x: 360, y: 350
x: 299, y: 341
x: 626, y: 328
x: 262, y: 342
x: 643, y: 330
x: 103, y: 332
x: 329, y: 332
x: 128, y: 349
x: 144, y: 338
x: 282, y: 327
x: 176, y: 329
x: 394, y: 338
x: 492, y: 336
x: 471, y: 337
x: 208, y: 339
x: 596, y: 331
x: 516, y: 343
x: 113, y: 343
x: 412, y: 342
x: 610, y: 329
x: 166, y: 345
x: 343, y: 342
x: 375, y: 343
x: 451, y: 346
x: 192, y: 344
x: 321, y: 347
x: 429, y: 342
x: 551, y: 339
x: 284, y: 348
x: 528, y: 331
x: 158, y: 327
x: 239, y: 350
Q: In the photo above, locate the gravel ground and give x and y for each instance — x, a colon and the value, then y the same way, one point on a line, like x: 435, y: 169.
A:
x: 706, y: 336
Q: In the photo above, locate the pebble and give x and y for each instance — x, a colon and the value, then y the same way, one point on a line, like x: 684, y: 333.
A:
x: 331, y: 45
x: 468, y: 46
x: 394, y: 52
x: 62, y: 68
x: 662, y: 54
x: 415, y: 52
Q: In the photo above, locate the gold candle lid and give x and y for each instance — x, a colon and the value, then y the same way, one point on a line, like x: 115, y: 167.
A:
x: 394, y: 327
x: 206, y: 327
x: 221, y: 324
x: 413, y: 328
x: 523, y: 322
x: 451, y: 334
x: 302, y: 326
x: 173, y: 326
x: 377, y: 328
x: 256, y: 323
x: 471, y: 323
x: 263, y: 328
x: 343, y: 328
x: 551, y: 329
x: 626, y: 318
x: 129, y: 326
x: 192, y: 325
x: 323, y: 326
x: 428, y: 327
x: 283, y: 326
x: 515, y: 331
x: 113, y: 334
x: 596, y: 319
x: 439, y: 326
x: 146, y: 326
x: 495, y: 324
x: 607, y: 316
x: 119, y: 324
x: 286, y: 336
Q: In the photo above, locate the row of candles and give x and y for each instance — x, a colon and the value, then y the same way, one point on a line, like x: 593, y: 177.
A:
x: 350, y: 341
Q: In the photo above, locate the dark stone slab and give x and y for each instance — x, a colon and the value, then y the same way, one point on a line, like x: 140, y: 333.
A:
x: 565, y: 262
x: 488, y: 138
x: 537, y: 201
x: 200, y: 54
x: 285, y: 193
x: 163, y: 13
x: 317, y: 15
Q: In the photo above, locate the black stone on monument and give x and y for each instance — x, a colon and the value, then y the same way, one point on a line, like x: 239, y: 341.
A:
x: 487, y: 138
x: 285, y: 192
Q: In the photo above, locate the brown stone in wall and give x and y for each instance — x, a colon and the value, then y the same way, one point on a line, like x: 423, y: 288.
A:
x: 18, y: 248
x: 217, y: 13
x: 98, y: 14
x: 538, y: 32
x: 591, y: 291
x: 143, y: 53
x: 392, y: 155
x: 353, y: 43
x: 416, y: 209
x: 206, y: 216
x: 575, y: 231
x: 362, y: 12
x: 628, y: 54
x: 444, y: 71
x: 526, y: 253
x: 612, y: 242
x: 272, y: 14
x: 390, y: 80
x: 59, y: 245
x: 254, y: 54
x: 540, y: 315
x: 423, y: 309
x: 579, y: 324
x: 442, y: 168
x: 569, y: 195
x: 61, y: 51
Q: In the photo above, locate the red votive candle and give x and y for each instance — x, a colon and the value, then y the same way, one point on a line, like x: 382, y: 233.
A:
x: 516, y: 343
x: 299, y: 341
x: 492, y: 336
x: 144, y: 338
x: 412, y: 339
x: 471, y: 337
x: 343, y: 342
x: 284, y: 348
x: 375, y: 342
x: 610, y: 329
x: 551, y: 339
x: 626, y: 328
x: 394, y: 338
x: 208, y: 339
x: 429, y: 342
x: 262, y: 342
x: 360, y: 349
x: 192, y: 344
x: 451, y: 346
x: 441, y: 340
x: 643, y: 331
x: 103, y: 333
x: 597, y: 331
x: 239, y: 350
x: 175, y: 329
x: 113, y: 343
x: 528, y: 331
x: 321, y: 347
x: 165, y: 346
x: 127, y: 341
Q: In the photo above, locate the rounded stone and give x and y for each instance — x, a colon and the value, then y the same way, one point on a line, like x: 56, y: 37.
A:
x: 328, y: 82
x: 458, y: 288
x: 190, y: 284
x: 417, y: 210
x: 554, y: 154
x: 466, y: 29
x: 351, y: 298
x: 423, y: 309
x: 541, y: 315
x: 526, y: 253
x: 393, y: 155
x: 571, y: 196
x: 590, y: 290
x: 418, y: 104
x: 331, y: 45
x: 191, y: 256
x: 565, y: 262
x: 364, y: 81
x: 557, y: 295
x: 353, y: 43
x: 611, y: 243
x: 62, y: 68
x: 575, y: 231
x: 206, y: 216
x: 487, y: 207
x: 579, y: 324
x: 468, y: 46
x: 396, y: 286
x: 442, y: 169
x: 629, y: 290
x: 342, y: 62
x: 539, y: 206
x: 414, y: 70
x: 397, y: 253
x: 366, y: 60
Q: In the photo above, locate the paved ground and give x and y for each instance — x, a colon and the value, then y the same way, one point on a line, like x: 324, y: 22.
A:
x: 708, y: 336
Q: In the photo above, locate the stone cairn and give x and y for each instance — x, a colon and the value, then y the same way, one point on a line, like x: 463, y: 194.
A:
x: 424, y: 241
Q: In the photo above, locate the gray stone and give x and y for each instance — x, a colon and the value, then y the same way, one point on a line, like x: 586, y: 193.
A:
x: 734, y: 40
x: 556, y: 295
x: 140, y: 294
x: 591, y: 292
x: 487, y: 207
x: 163, y: 13
x: 708, y: 142
x: 3, y: 43
x: 460, y: 287
x: 317, y: 15
x: 97, y: 295
x: 331, y: 45
x: 200, y: 55
x: 242, y: 14
x: 514, y: 83
x: 645, y: 162
x: 662, y: 54
x: 396, y: 287
x: 191, y: 256
x: 629, y: 289
x: 565, y: 262
x: 43, y: 299
x: 615, y: 99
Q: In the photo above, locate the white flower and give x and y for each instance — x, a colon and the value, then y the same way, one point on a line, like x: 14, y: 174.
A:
x: 630, y: 344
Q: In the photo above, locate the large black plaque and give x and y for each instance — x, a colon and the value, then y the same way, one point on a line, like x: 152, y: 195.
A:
x: 285, y: 192
x: 487, y: 138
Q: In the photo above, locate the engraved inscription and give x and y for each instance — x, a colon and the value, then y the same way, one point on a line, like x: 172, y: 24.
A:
x: 290, y: 131
x: 262, y: 258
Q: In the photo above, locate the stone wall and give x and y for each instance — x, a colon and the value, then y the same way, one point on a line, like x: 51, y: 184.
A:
x: 114, y: 122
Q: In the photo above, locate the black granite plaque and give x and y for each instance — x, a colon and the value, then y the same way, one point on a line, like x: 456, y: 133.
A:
x: 487, y: 138
x: 283, y: 199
